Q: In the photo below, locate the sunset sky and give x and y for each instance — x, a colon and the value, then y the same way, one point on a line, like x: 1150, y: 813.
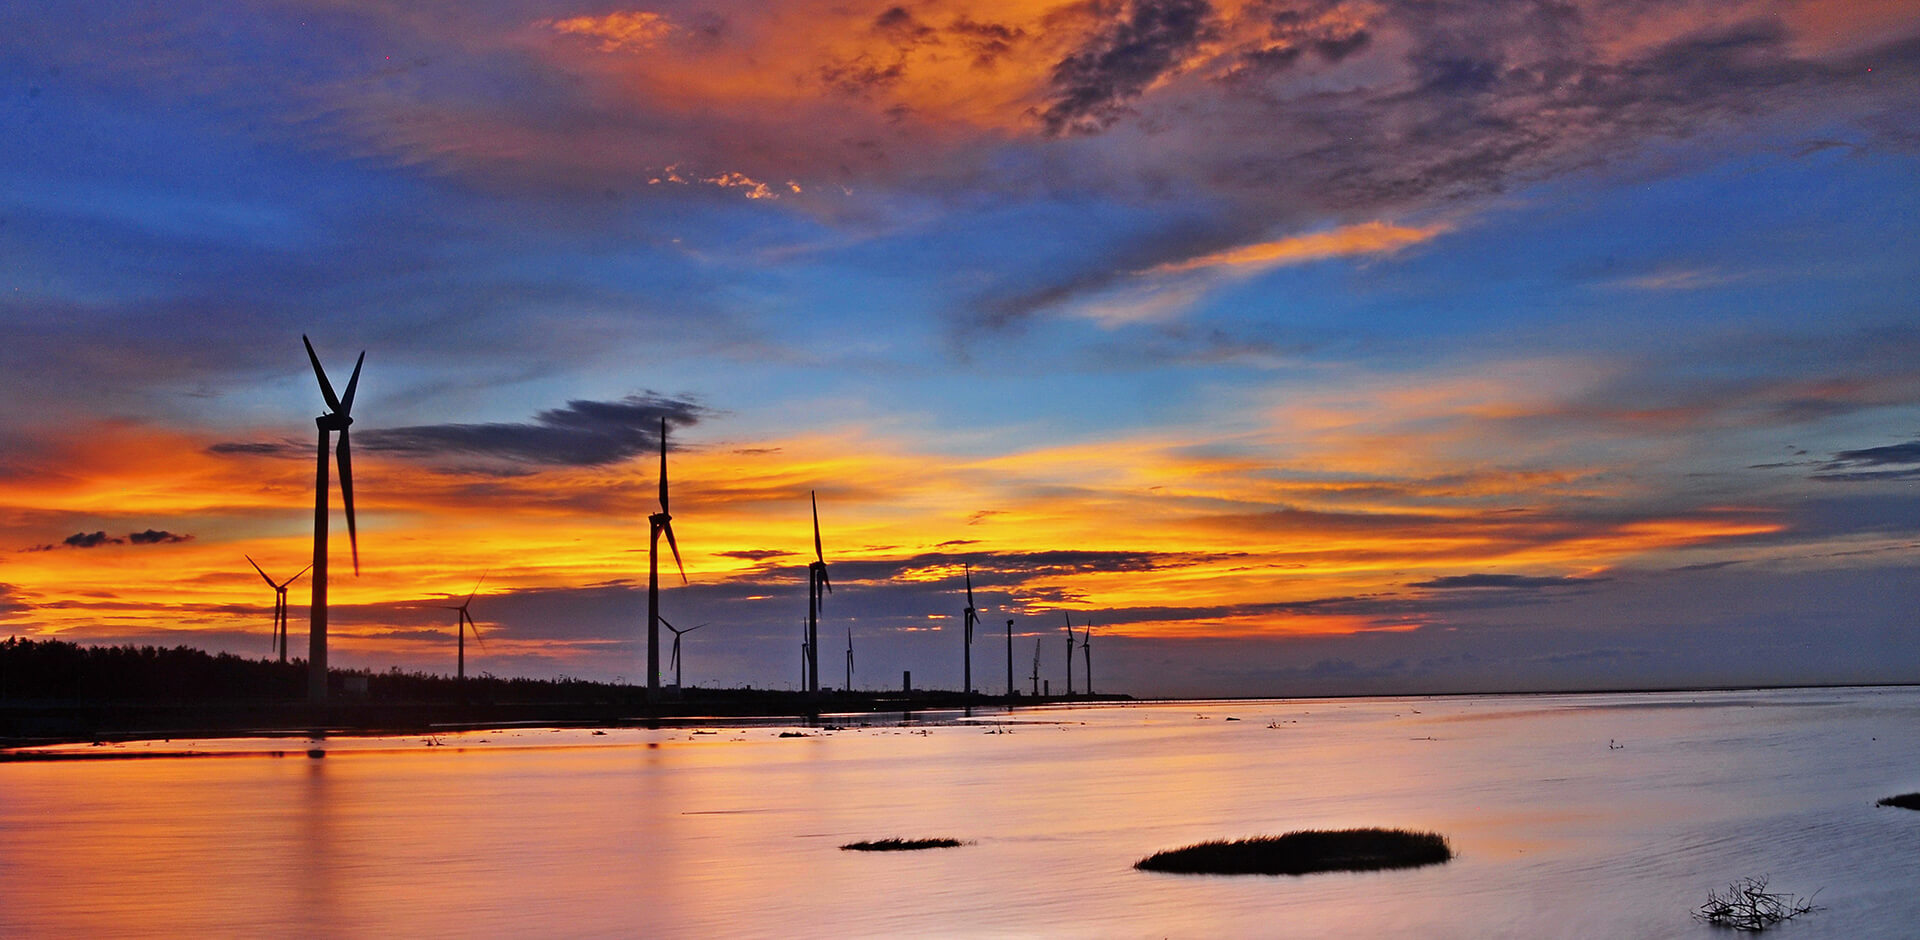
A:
x: 1301, y: 346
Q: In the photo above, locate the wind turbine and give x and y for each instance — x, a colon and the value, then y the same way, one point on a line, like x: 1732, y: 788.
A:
x: 1069, y: 653
x: 279, y: 604
x: 465, y: 620
x: 674, y: 660
x: 660, y: 522
x: 806, y: 655
x: 338, y: 417
x: 1036, y: 667
x: 849, y: 686
x: 1010, y: 688
x: 1086, y: 650
x: 817, y: 583
x: 972, y: 617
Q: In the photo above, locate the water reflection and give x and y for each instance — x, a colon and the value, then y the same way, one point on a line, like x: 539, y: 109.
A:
x: 735, y: 832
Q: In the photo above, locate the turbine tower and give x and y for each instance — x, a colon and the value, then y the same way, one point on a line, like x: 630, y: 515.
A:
x: 465, y: 620
x: 1086, y: 650
x: 661, y: 521
x: 1069, y: 653
x: 971, y: 618
x: 674, y: 660
x: 1010, y: 688
x: 279, y: 604
x: 849, y: 686
x: 338, y: 417
x: 818, y: 586
x: 1036, y: 667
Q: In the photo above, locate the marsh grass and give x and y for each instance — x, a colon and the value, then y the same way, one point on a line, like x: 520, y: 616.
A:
x: 1305, y: 852
x: 1903, y: 801
x: 901, y: 845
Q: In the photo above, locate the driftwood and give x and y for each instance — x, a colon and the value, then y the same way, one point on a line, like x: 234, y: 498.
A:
x: 1748, y: 905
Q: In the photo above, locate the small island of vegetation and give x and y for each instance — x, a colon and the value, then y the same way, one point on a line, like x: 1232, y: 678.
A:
x: 1305, y: 852
x: 901, y: 845
x: 1903, y: 801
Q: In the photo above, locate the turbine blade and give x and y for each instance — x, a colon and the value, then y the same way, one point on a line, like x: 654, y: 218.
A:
x: 296, y: 576
x: 818, y: 554
x: 693, y: 628
x: 476, y: 585
x: 673, y: 661
x: 475, y: 624
x: 663, y: 464
x: 825, y: 581
x: 668, y: 528
x: 263, y: 575
x: 346, y: 401
x: 664, y: 623
x: 969, y: 570
x: 326, y: 387
x: 346, y: 497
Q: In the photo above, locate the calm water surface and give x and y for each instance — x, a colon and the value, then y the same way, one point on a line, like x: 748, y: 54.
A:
x: 735, y: 833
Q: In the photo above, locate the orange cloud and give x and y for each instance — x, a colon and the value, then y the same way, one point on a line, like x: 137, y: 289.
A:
x: 1367, y: 238
x: 619, y: 31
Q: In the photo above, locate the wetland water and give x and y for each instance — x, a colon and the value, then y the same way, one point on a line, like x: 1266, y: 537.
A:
x: 735, y: 833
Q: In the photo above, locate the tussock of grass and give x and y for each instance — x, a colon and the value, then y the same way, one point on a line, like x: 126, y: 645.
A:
x: 1300, y: 853
x: 1903, y: 801
x: 900, y: 845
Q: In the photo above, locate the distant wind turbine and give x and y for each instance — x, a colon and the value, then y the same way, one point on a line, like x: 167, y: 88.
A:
x: 1086, y: 650
x: 818, y: 586
x: 661, y: 521
x: 279, y: 604
x: 1010, y: 689
x: 1036, y: 667
x: 806, y: 655
x: 1069, y: 652
x: 465, y: 620
x: 849, y: 686
x: 971, y: 617
x: 338, y: 417
x: 674, y: 660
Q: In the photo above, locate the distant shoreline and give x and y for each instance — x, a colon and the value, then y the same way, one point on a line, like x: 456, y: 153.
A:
x: 27, y: 725
x: 43, y: 724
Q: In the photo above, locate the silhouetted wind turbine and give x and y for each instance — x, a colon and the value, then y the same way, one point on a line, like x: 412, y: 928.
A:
x: 971, y: 618
x: 279, y: 604
x: 465, y: 620
x: 338, y: 417
x: 818, y: 585
x: 1069, y: 652
x: 674, y: 660
x: 1010, y: 689
x: 1036, y: 667
x: 661, y: 521
x: 849, y: 685
x: 806, y: 655
x: 1086, y: 650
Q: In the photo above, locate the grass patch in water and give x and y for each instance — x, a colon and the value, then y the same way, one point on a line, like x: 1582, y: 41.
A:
x: 1305, y: 852
x: 901, y: 845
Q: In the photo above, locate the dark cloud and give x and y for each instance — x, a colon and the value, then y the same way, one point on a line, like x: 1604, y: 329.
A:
x: 1092, y: 86
x: 1508, y: 581
x: 156, y: 537
x: 10, y: 603
x: 90, y: 540
x: 754, y: 554
x: 987, y: 41
x: 1902, y: 459
x: 582, y: 434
